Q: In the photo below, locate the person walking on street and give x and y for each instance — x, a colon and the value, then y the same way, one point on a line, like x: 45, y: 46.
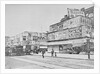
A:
x: 52, y: 52
x: 55, y: 54
x: 43, y: 52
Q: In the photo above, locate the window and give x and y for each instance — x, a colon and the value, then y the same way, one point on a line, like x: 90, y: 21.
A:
x: 35, y: 37
x: 24, y: 37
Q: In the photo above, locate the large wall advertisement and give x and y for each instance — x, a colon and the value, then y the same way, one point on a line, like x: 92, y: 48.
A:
x: 89, y: 12
x: 75, y: 32
x: 74, y: 22
x: 75, y: 12
x: 56, y: 27
x: 87, y: 31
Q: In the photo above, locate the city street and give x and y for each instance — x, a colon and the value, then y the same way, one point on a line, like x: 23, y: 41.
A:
x: 36, y: 61
x: 69, y: 35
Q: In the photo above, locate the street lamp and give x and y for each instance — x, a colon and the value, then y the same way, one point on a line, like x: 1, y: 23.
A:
x: 88, y: 47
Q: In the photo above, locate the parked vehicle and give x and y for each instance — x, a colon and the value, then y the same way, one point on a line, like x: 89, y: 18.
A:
x: 19, y: 50
x: 77, y: 50
x: 13, y: 51
x: 74, y: 50
x: 8, y: 51
x: 28, y: 49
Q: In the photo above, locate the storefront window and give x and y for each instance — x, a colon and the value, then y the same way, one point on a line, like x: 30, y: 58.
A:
x: 60, y: 48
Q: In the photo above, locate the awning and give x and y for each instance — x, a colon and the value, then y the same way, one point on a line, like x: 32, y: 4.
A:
x: 43, y: 43
x: 43, y: 46
x: 79, y: 44
x: 75, y: 41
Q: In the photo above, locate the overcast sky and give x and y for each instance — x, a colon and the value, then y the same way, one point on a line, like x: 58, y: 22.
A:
x: 34, y: 17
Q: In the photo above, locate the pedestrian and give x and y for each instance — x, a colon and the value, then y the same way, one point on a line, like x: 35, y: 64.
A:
x: 55, y: 54
x: 52, y: 52
x: 43, y: 52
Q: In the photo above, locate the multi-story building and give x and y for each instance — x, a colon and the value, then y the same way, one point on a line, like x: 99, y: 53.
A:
x: 38, y: 38
x: 27, y: 38
x: 74, y: 31
x: 89, y: 12
x: 7, y: 41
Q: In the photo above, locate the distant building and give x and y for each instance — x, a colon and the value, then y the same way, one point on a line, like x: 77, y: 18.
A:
x: 7, y: 40
x: 37, y: 38
x: 26, y: 38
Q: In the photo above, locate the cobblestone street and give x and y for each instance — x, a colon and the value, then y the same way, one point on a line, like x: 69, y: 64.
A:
x: 37, y: 62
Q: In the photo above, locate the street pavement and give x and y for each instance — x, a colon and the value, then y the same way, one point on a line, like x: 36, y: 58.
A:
x: 62, y: 61
x: 73, y: 56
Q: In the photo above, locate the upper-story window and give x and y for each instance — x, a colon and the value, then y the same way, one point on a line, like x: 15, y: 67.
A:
x: 24, y: 37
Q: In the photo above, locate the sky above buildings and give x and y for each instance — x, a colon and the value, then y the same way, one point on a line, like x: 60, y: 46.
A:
x: 34, y: 17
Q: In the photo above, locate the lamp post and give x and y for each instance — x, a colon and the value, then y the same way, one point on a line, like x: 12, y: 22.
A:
x: 88, y: 47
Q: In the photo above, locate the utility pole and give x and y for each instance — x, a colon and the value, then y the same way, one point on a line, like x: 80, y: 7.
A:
x: 88, y: 47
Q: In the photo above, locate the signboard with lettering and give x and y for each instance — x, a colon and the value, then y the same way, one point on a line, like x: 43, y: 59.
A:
x: 65, y: 34
x: 77, y: 21
x: 75, y: 32
x: 86, y: 31
x: 75, y: 12
x: 74, y: 22
x: 51, y: 36
x: 56, y: 27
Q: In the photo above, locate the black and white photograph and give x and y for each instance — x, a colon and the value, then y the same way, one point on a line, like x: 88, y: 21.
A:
x: 49, y: 36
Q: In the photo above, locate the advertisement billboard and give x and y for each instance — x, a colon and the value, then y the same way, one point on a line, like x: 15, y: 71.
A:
x: 86, y: 31
x: 76, y: 32
x: 74, y: 22
x: 75, y: 12
x: 51, y: 36
x: 66, y: 34
x: 56, y: 27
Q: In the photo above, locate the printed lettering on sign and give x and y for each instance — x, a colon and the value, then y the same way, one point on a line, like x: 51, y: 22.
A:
x: 74, y: 32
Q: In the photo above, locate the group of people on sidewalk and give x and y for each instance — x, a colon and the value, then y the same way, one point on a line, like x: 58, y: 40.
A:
x: 52, y: 53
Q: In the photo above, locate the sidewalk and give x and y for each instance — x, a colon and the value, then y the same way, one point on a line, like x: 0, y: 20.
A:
x: 69, y: 56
